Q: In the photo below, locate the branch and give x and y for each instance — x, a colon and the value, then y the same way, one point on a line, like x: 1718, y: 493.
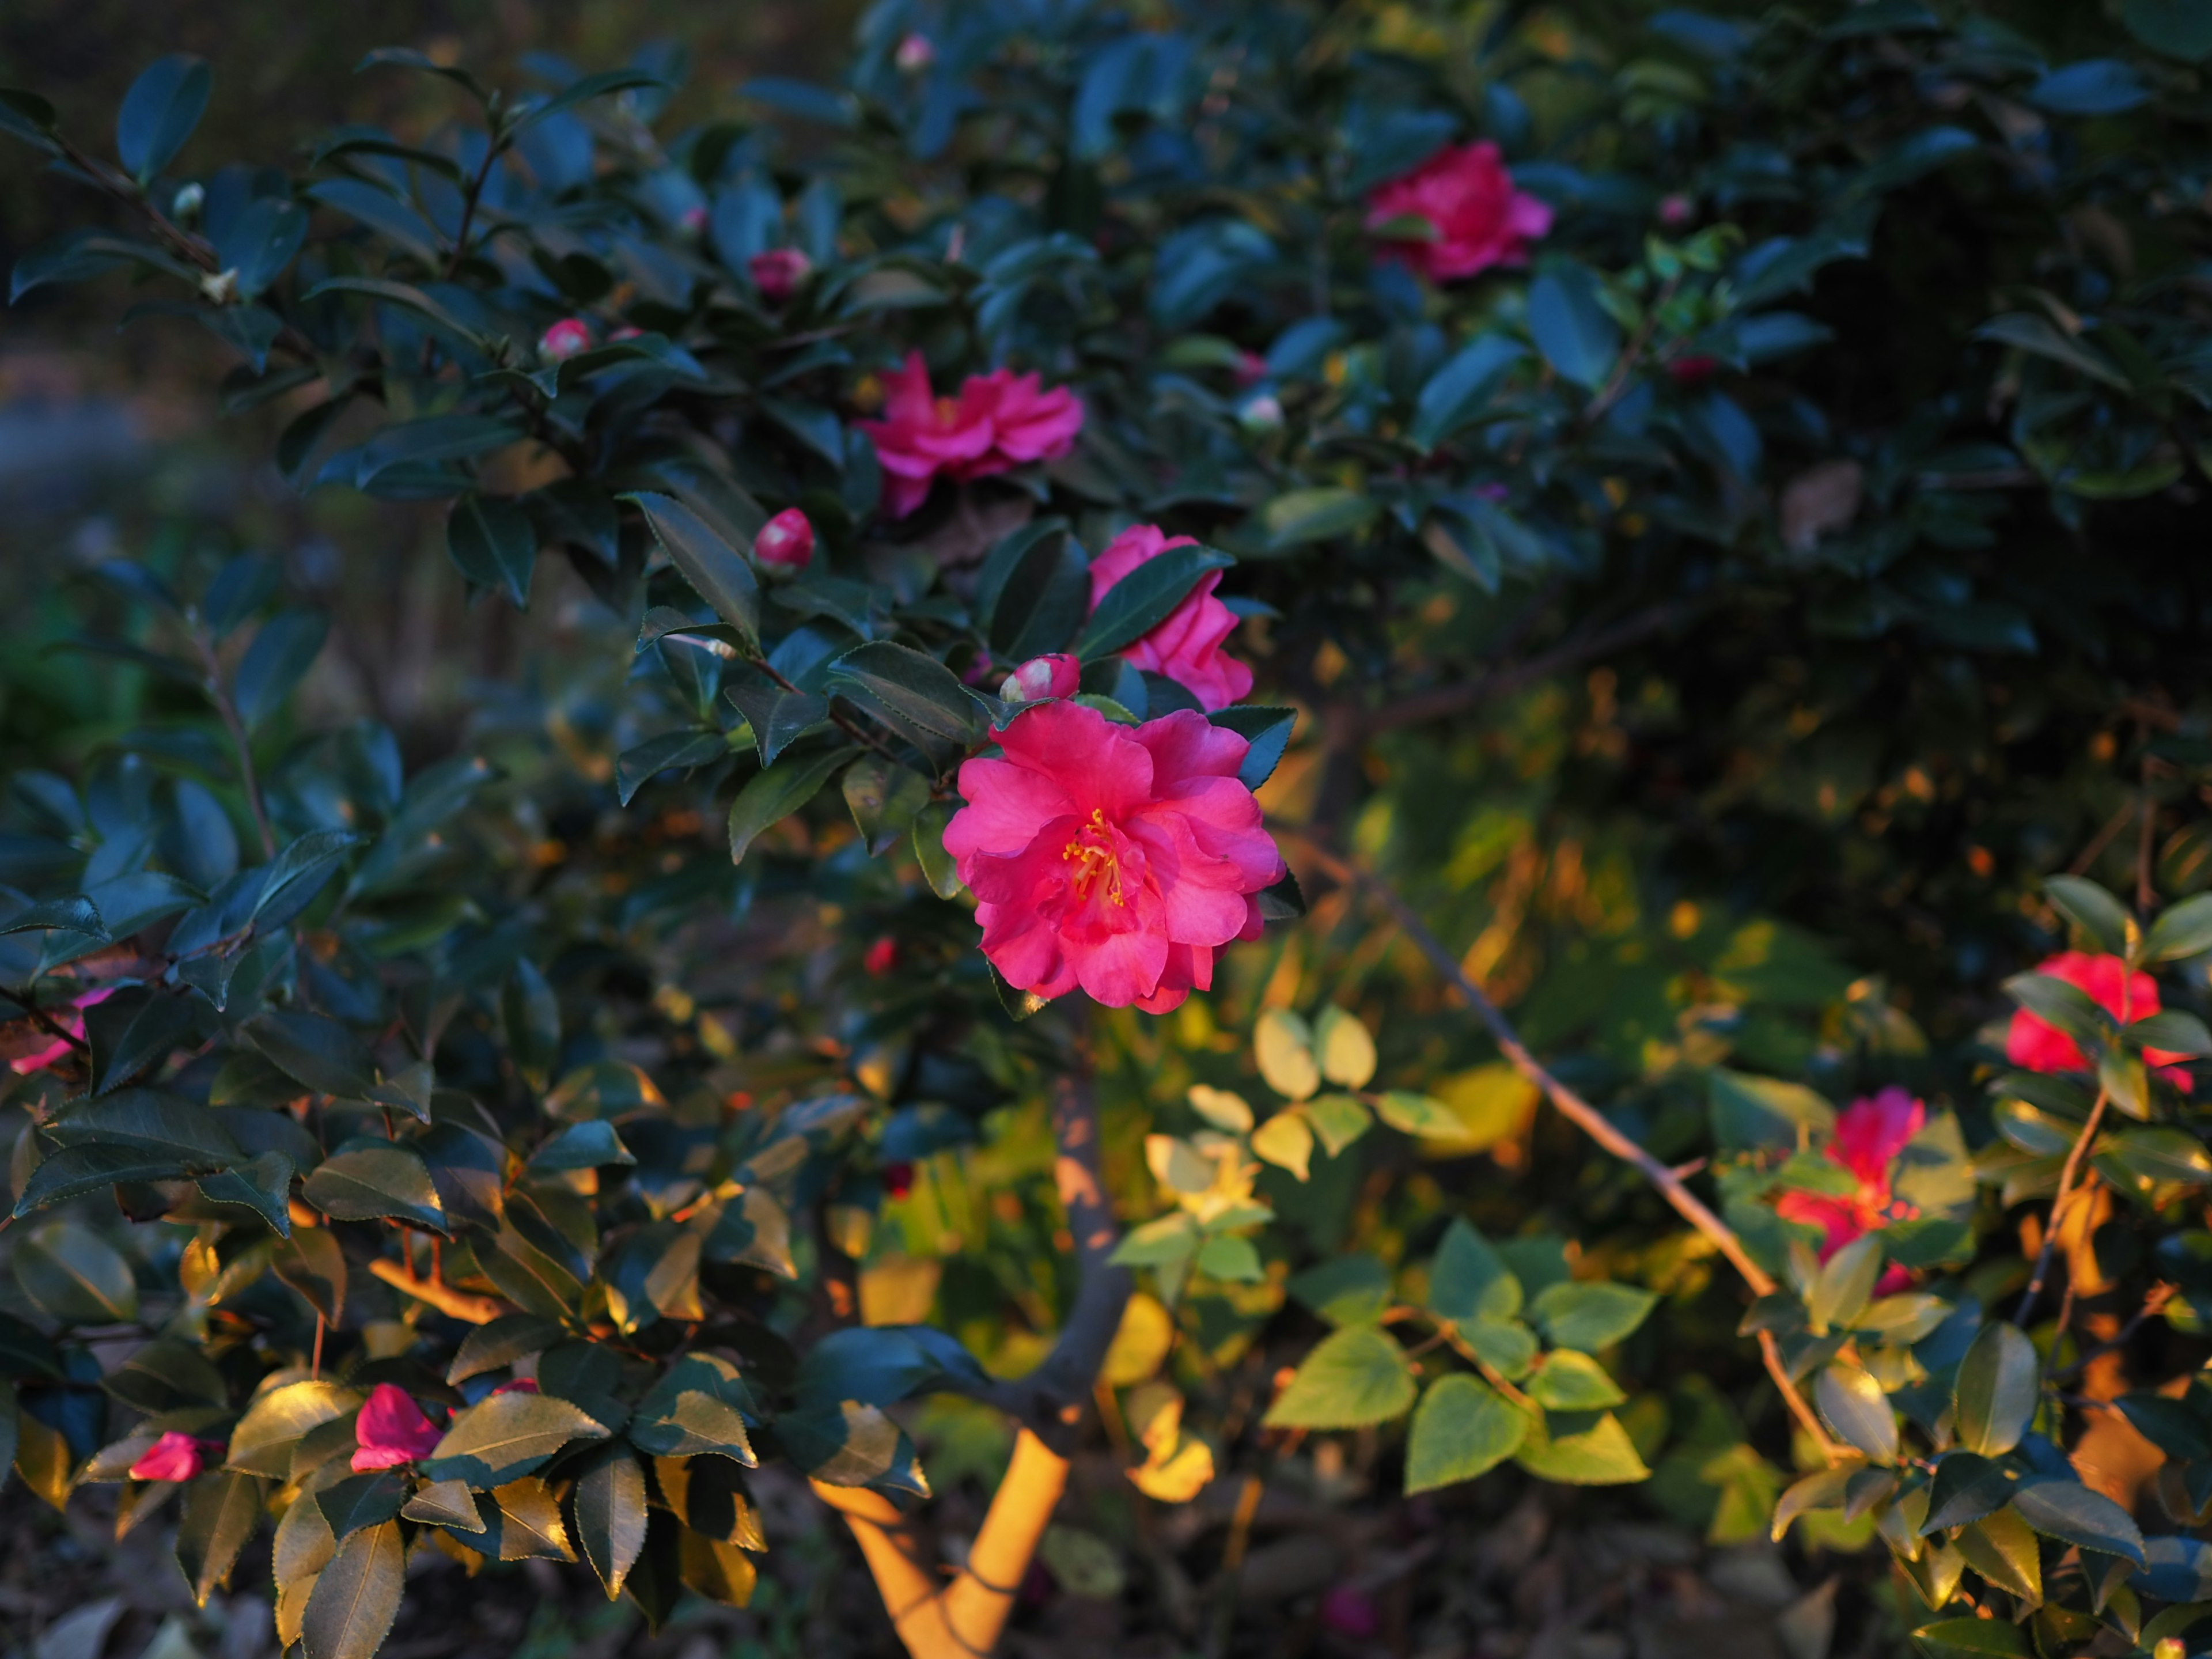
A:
x: 44, y: 1021
x: 1503, y: 681
x: 2066, y: 1192
x: 966, y: 1619
x: 457, y: 1304
x: 1590, y: 1120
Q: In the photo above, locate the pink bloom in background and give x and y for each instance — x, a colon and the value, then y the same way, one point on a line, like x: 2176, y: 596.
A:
x: 786, y: 541
x: 694, y: 219
x: 2035, y: 1044
x: 1467, y: 196
x: 1056, y: 676
x: 70, y: 1020
x: 881, y: 957
x: 518, y: 1385
x: 392, y: 1430
x: 175, y: 1456
x: 1350, y: 1611
x: 1187, y: 646
x: 915, y: 54
x: 1870, y: 1134
x: 999, y: 421
x: 777, y: 272
x: 564, y: 339
x: 1111, y: 859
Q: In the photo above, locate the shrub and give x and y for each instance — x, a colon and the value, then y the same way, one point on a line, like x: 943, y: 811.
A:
x: 483, y: 1158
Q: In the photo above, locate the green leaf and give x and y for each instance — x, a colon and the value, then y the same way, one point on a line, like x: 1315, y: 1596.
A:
x: 1283, y: 1045
x: 884, y: 797
x: 1346, y: 1290
x: 362, y: 1500
x: 2038, y: 336
x: 1997, y: 1389
x: 393, y: 220
x: 1823, y: 1489
x: 158, y: 113
x: 697, y: 1405
x: 505, y: 1437
x: 219, y: 1516
x: 408, y: 57
x: 1145, y: 599
x: 1457, y: 395
x: 356, y: 1596
x: 1418, y: 1115
x: 1033, y: 592
x: 1230, y: 1259
x: 1967, y: 1487
x: 589, y: 1145
x: 1845, y: 1284
x: 319, y: 1052
x: 1506, y: 1345
x: 718, y: 573
x: 1971, y: 1638
x: 1305, y: 516
x: 2069, y: 1510
x: 778, y: 717
x: 1749, y: 1112
x: 1266, y: 733
x: 262, y: 1443
x: 76, y: 1171
x: 1354, y: 1377
x: 500, y: 1344
x: 2092, y: 909
x: 311, y: 1262
x: 74, y: 915
x: 492, y: 541
x: 447, y: 1504
x: 371, y: 1180
x: 771, y: 796
x: 1580, y: 1449
x: 419, y: 443
x: 1346, y: 1049
x: 2179, y: 28
x: 583, y: 90
x: 1570, y: 328
x: 2184, y: 930
x: 671, y: 751
x: 920, y: 696
x: 1572, y: 1382
x: 610, y: 1509
x: 1468, y: 1280
x: 407, y: 298
x: 1589, y: 1315
x: 2142, y: 1160
x: 1463, y: 1428
x: 72, y: 1275
x: 1856, y: 1410
x: 2003, y: 1549
x: 2174, y: 1031
x: 294, y: 876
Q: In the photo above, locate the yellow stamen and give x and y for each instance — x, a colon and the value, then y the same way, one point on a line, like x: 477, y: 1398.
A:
x: 1090, y: 856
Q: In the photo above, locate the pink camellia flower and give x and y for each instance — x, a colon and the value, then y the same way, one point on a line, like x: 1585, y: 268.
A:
x: 1056, y: 676
x: 2035, y: 1044
x: 777, y: 272
x: 1112, y: 859
x: 70, y: 1020
x: 175, y: 1456
x: 881, y: 957
x: 999, y: 421
x: 1187, y: 646
x: 786, y: 541
x: 564, y: 339
x: 391, y: 1430
x: 1676, y: 210
x: 1251, y: 367
x: 1870, y: 1134
x: 1479, y: 220
x: 915, y: 54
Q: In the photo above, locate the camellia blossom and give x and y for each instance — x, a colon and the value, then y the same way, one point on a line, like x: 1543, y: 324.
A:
x: 175, y: 1456
x: 881, y: 957
x: 392, y: 1430
x: 1112, y: 859
x: 786, y: 541
x: 777, y: 272
x: 999, y: 421
x: 1056, y: 676
x: 1870, y: 1134
x: 2035, y: 1044
x: 71, y: 1020
x: 1478, y: 219
x: 564, y: 339
x: 1186, y: 648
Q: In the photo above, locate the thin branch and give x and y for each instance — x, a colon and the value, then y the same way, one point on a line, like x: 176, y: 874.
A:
x: 458, y: 1304
x: 2066, y: 1192
x: 1591, y: 1122
x: 2103, y: 838
x: 1507, y: 678
x: 44, y: 1021
x: 2153, y: 1305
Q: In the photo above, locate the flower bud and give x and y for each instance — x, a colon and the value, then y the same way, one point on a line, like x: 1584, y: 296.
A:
x: 695, y: 219
x: 1694, y: 371
x: 1262, y: 414
x: 564, y: 339
x: 1251, y: 369
x: 882, y: 956
x: 786, y: 542
x: 777, y: 272
x: 898, y: 1179
x: 915, y: 54
x: 1676, y: 210
x: 185, y: 206
x: 1055, y: 676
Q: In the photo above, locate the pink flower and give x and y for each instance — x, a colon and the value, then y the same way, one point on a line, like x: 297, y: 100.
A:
x: 999, y: 421
x: 1467, y: 197
x: 390, y: 1430
x: 1693, y: 370
x: 915, y: 54
x: 882, y: 956
x: 1676, y: 210
x: 786, y: 541
x: 564, y: 339
x: 72, y: 1022
x: 1251, y: 367
x: 1056, y: 676
x: 518, y: 1385
x: 1350, y: 1611
x: 1114, y: 860
x: 777, y: 272
x: 694, y: 219
x: 1870, y: 1134
x: 898, y: 1179
x: 1187, y: 646
x: 175, y: 1456
x: 2035, y: 1044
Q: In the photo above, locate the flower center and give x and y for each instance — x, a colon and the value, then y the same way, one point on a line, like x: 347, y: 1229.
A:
x: 948, y: 412
x: 1092, y: 853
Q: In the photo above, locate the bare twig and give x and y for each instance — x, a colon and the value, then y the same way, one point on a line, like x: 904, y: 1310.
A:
x: 2153, y: 1305
x: 2066, y: 1192
x: 458, y: 1304
x: 1591, y: 1122
x: 44, y: 1021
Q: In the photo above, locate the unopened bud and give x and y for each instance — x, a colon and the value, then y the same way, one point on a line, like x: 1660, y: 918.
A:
x: 185, y: 205
x: 564, y: 339
x: 1056, y: 676
x: 915, y: 54
x: 1262, y: 414
x: 219, y: 287
x: 777, y: 272
x: 1676, y: 210
x: 786, y: 541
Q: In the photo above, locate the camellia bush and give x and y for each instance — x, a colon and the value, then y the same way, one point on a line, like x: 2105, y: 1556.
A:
x: 1471, y: 732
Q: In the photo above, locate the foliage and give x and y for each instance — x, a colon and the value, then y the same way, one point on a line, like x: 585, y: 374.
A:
x: 1861, y: 365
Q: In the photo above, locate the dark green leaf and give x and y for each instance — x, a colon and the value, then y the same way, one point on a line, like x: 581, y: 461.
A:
x: 500, y: 1344
x: 505, y: 1436
x: 492, y: 541
x: 1033, y: 592
x: 919, y: 694
x: 416, y: 443
x: 2186, y: 930
x: 318, y: 1051
x: 779, y: 717
x: 582, y: 1147
x: 1145, y: 598
x: 400, y: 294
x: 774, y: 794
x: 1267, y: 732
x: 669, y: 751
x: 384, y: 213
x: 1971, y: 1638
x: 370, y: 1180
x: 262, y: 1184
x: 75, y: 915
x: 1305, y: 516
x: 362, y: 1500
x: 1997, y: 1389
x: 220, y: 1516
x: 2179, y: 28
x: 356, y: 1596
x: 937, y: 866
x: 1570, y: 328
x: 281, y: 653
x: 1468, y: 1280
x: 2069, y: 1510
x: 1456, y: 394
x: 716, y: 571
x: 583, y: 91
x: 73, y: 1275
x: 1463, y: 1428
x: 408, y: 57
x: 2093, y: 910
x: 76, y: 1171
x: 311, y: 1262
x: 1856, y: 1409
x: 1967, y: 1487
x: 158, y: 113
x: 697, y: 1405
x: 884, y: 797
x: 610, y: 1508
